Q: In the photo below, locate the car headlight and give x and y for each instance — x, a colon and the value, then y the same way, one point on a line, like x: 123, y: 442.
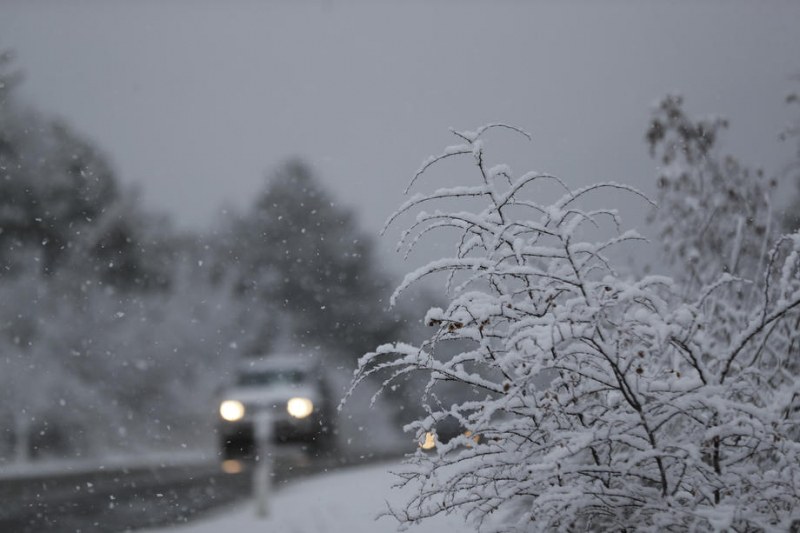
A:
x: 299, y: 407
x: 231, y: 410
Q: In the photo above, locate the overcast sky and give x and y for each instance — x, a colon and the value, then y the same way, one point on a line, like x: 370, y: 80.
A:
x: 195, y: 101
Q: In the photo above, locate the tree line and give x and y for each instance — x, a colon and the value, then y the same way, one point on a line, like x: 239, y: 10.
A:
x: 116, y: 328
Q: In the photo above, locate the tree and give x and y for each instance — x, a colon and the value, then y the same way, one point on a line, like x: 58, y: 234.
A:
x: 791, y: 218
x: 87, y: 369
x: 86, y: 280
x: 57, y: 192
x: 308, y: 271
x: 54, y: 184
x: 714, y: 214
x: 603, y: 404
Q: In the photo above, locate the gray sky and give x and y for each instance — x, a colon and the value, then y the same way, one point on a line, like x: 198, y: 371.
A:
x: 196, y: 101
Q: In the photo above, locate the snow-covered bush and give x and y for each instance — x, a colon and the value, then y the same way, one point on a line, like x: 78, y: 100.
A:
x: 715, y: 214
x: 85, y: 370
x: 599, y: 402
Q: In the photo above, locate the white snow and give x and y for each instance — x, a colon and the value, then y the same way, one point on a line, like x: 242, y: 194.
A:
x: 347, y: 501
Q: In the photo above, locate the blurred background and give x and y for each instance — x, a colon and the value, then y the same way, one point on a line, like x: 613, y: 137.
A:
x: 185, y: 185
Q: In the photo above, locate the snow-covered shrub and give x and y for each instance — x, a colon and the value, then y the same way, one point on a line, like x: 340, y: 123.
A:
x: 87, y: 370
x: 599, y: 402
x: 715, y: 213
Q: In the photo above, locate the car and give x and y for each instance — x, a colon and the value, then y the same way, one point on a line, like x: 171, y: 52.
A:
x: 292, y: 397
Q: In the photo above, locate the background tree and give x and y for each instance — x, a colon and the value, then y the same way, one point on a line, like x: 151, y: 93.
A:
x: 88, y: 369
x: 58, y: 191
x: 109, y: 318
x: 715, y: 218
x: 55, y: 184
x: 308, y: 271
x: 603, y: 403
x: 791, y: 217
x: 714, y: 213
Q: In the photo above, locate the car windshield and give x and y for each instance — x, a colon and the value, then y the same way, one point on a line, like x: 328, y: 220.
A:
x: 271, y: 377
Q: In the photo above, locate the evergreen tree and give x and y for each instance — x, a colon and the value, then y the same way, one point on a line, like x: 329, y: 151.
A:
x: 305, y: 264
x: 61, y: 202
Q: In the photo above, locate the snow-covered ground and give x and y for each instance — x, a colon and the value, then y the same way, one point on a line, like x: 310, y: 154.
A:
x: 346, y: 501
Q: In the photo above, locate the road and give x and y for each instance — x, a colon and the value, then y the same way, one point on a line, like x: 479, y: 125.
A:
x: 116, y: 498
x: 123, y: 498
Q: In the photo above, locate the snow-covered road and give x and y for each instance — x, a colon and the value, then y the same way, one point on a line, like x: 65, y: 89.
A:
x: 346, y: 501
